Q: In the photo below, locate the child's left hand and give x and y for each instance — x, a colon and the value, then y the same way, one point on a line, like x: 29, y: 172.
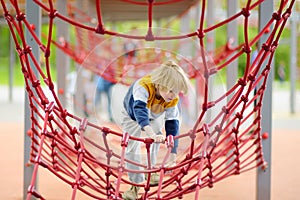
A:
x: 159, y: 138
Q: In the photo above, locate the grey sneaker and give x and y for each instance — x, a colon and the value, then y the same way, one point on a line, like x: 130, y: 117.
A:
x: 131, y: 194
x: 154, y: 179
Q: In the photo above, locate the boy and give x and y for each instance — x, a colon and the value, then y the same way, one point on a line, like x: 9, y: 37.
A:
x: 146, y: 100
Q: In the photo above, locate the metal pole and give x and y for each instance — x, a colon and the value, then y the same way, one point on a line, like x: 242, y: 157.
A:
x: 232, y: 69
x: 211, y: 7
x: 33, y: 13
x: 12, y: 61
x: 80, y: 76
x: 263, y: 186
x: 293, y: 61
x: 62, y: 60
x: 197, y: 80
x: 232, y: 33
x: 185, y: 47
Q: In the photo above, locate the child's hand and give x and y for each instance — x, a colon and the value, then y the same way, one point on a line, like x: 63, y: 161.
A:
x: 159, y: 138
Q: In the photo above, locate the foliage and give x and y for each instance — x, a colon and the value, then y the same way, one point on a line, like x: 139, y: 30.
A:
x: 282, y: 53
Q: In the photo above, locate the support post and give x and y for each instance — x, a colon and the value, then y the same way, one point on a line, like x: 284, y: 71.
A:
x: 81, y: 74
x: 33, y: 13
x: 232, y: 69
x: 62, y: 60
x: 232, y: 34
x: 293, y: 61
x: 210, y: 46
x: 12, y: 62
x: 263, y: 186
x: 198, y: 89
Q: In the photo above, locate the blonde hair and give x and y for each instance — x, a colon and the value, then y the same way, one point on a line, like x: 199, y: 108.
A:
x: 170, y: 77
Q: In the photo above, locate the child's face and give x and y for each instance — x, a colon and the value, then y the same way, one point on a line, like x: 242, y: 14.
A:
x: 168, y: 95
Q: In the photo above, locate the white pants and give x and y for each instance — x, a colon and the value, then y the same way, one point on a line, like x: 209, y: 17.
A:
x: 133, y: 150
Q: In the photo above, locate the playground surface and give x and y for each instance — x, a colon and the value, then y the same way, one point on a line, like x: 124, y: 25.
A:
x: 285, y: 171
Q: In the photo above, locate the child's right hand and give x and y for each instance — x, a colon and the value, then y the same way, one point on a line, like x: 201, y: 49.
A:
x: 158, y: 138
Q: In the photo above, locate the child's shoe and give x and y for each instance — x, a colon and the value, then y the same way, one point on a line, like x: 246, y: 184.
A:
x: 154, y: 179
x: 131, y: 194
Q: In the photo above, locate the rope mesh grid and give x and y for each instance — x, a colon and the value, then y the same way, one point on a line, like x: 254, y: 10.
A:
x: 226, y: 145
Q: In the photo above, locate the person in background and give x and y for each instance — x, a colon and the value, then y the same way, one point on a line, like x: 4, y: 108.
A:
x: 254, y: 54
x: 130, y: 47
x: 281, y: 72
x: 253, y: 57
x: 104, y: 86
x: 146, y: 101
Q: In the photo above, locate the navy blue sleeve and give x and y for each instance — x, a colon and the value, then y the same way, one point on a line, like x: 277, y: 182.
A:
x: 172, y: 128
x: 141, y: 113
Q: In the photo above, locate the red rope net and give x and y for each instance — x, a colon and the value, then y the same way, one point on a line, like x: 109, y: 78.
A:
x: 228, y: 143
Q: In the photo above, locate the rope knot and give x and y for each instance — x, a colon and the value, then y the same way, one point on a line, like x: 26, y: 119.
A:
x: 245, y: 12
x: 242, y: 82
x: 100, y: 29
x: 251, y: 77
x: 225, y: 110
x: 276, y: 16
x: 149, y: 36
x: 265, y: 47
x: 35, y: 83
x: 21, y: 16
x: 244, y: 98
x: 200, y: 34
x: 247, y: 49
x: 287, y: 14
x: 239, y: 115
x: 27, y: 50
x: 53, y: 14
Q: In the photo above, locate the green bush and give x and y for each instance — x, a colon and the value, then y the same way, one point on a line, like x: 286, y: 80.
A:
x: 4, y: 41
x: 282, y: 54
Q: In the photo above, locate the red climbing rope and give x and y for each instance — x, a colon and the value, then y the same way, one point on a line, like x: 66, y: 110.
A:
x: 227, y: 144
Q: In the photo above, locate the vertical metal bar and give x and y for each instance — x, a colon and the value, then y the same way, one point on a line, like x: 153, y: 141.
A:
x: 263, y: 186
x: 12, y: 61
x: 80, y: 77
x: 211, y: 7
x: 197, y: 88
x: 232, y: 33
x: 232, y: 69
x: 62, y: 60
x: 293, y: 61
x: 185, y: 47
x: 33, y: 13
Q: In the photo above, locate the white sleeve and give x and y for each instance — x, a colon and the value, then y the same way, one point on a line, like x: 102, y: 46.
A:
x: 140, y: 93
x: 172, y: 113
